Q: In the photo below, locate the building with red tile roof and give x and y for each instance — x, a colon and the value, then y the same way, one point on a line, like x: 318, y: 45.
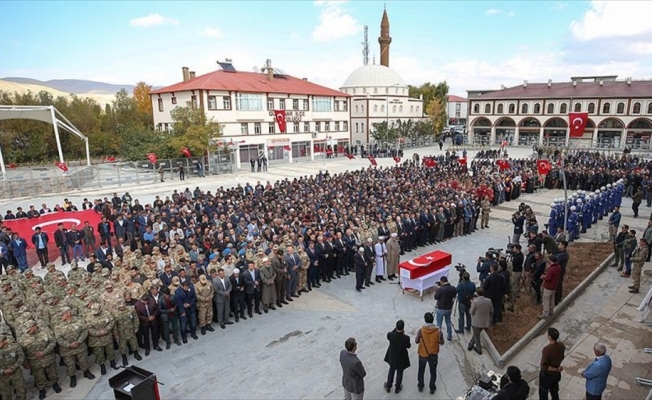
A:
x: 619, y: 113
x: 246, y: 105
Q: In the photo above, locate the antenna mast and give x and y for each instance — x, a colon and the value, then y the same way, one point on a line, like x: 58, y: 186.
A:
x: 365, y: 46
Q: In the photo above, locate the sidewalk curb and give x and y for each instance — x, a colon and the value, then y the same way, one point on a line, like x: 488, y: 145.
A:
x: 501, y: 360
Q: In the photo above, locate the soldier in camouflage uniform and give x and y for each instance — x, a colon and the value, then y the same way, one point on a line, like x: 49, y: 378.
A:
x: 302, y: 272
x: 76, y: 275
x: 30, y: 280
x: 11, y: 373
x: 71, y: 334
x: 49, y: 276
x: 50, y: 309
x: 101, y: 325
x: 111, y: 298
x: 205, y: 291
x: 126, y: 326
x: 38, y: 343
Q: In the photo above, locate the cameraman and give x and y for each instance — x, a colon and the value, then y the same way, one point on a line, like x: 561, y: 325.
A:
x: 528, y: 267
x: 465, y: 291
x: 518, y: 220
x: 484, y: 265
x: 518, y: 258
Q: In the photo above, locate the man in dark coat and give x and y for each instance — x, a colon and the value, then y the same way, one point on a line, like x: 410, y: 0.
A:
x: 353, y: 371
x: 397, y: 356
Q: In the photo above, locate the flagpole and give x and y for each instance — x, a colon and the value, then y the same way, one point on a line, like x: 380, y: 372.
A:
x: 563, y: 178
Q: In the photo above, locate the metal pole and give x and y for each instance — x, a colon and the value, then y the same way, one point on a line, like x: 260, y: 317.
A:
x: 56, y: 133
x: 88, y: 153
x: 2, y: 166
x: 563, y: 179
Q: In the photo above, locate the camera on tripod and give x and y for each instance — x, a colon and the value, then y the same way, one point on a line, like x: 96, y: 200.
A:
x: 461, y: 269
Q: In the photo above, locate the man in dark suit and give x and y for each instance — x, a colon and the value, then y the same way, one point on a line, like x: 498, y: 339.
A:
x: 147, y: 310
x: 104, y: 229
x: 353, y: 371
x: 237, y: 295
x: 167, y: 275
x: 61, y: 240
x: 103, y: 251
x: 252, y: 288
x: 397, y: 356
x: 313, y: 266
x: 40, y: 241
x: 360, y: 266
x: 369, y: 256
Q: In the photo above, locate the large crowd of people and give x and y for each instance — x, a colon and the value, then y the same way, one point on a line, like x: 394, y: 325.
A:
x: 165, y: 271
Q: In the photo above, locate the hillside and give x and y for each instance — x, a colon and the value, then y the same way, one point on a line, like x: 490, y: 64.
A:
x: 11, y: 87
x: 77, y: 86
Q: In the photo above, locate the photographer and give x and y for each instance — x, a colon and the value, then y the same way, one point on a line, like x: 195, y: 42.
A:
x: 518, y: 220
x: 518, y: 258
x: 465, y: 291
x: 537, y: 273
x: 484, y: 265
x: 445, y: 295
x: 494, y: 287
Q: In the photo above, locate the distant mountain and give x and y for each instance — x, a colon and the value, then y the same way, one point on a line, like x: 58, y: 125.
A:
x: 76, y: 86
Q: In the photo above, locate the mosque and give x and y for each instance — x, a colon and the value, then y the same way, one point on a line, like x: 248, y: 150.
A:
x: 378, y: 94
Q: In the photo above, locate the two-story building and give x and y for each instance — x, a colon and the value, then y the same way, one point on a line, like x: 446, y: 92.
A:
x: 243, y: 103
x: 619, y: 113
x: 457, y: 110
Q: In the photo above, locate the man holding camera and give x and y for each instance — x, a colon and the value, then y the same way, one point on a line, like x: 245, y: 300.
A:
x: 484, y: 266
x: 465, y: 291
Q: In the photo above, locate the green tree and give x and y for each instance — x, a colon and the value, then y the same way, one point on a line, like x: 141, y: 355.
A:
x: 424, y: 128
x: 430, y: 92
x: 405, y: 128
x: 382, y: 133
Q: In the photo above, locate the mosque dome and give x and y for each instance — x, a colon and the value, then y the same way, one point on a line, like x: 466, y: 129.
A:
x: 377, y: 76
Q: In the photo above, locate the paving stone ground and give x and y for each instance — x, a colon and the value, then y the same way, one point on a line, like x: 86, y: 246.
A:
x: 293, y: 352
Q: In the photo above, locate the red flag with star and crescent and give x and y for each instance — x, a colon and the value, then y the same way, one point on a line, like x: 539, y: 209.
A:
x: 544, y: 166
x: 503, y: 164
x: 462, y: 161
x: 429, y: 162
x: 62, y: 166
x: 397, y: 160
x: 186, y: 152
x: 350, y: 156
x: 151, y: 157
x: 279, y: 116
x: 577, y: 123
x: 372, y: 160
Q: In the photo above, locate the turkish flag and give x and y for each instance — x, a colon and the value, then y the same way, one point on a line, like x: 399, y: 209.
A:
x: 62, y: 166
x: 279, y: 115
x: 287, y: 148
x: 429, y: 162
x: 110, y: 159
x: 186, y: 152
x: 544, y: 166
x: 151, y: 157
x: 350, y: 157
x: 577, y: 123
x: 372, y: 160
x: 397, y: 160
x: 462, y: 161
x: 504, y: 144
x: 48, y: 223
x: 503, y: 164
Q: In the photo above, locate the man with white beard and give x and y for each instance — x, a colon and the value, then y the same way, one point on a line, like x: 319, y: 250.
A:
x: 381, y: 258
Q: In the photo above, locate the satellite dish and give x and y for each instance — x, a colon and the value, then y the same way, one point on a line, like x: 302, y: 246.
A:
x: 255, y: 69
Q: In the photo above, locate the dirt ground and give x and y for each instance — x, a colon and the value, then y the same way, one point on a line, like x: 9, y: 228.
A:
x: 583, y: 259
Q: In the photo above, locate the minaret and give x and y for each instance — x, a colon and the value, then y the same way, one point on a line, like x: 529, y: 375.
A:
x: 384, y: 40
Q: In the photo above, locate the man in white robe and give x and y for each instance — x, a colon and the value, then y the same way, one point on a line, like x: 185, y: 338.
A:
x: 381, y: 258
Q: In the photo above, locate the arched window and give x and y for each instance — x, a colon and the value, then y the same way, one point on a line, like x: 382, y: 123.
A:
x: 563, y: 109
x: 524, y: 108
x: 512, y: 108
x: 400, y: 109
x: 537, y: 108
x: 591, y: 108
x: 417, y: 109
x: 376, y: 108
x: 499, y: 109
x: 606, y: 108
x: 357, y: 127
x: 382, y: 108
x: 476, y: 108
x: 362, y: 127
x: 637, y: 108
x: 551, y: 108
x: 394, y: 108
x: 362, y: 108
x: 411, y: 109
x: 577, y: 107
x: 649, y: 108
x: 357, y: 109
x: 620, y: 108
x: 487, y: 108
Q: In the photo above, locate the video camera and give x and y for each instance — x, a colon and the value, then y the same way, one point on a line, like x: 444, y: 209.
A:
x: 486, y: 387
x: 461, y: 269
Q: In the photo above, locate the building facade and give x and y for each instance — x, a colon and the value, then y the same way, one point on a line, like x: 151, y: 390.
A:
x: 619, y: 113
x: 243, y: 103
x: 457, y: 110
x: 378, y: 94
